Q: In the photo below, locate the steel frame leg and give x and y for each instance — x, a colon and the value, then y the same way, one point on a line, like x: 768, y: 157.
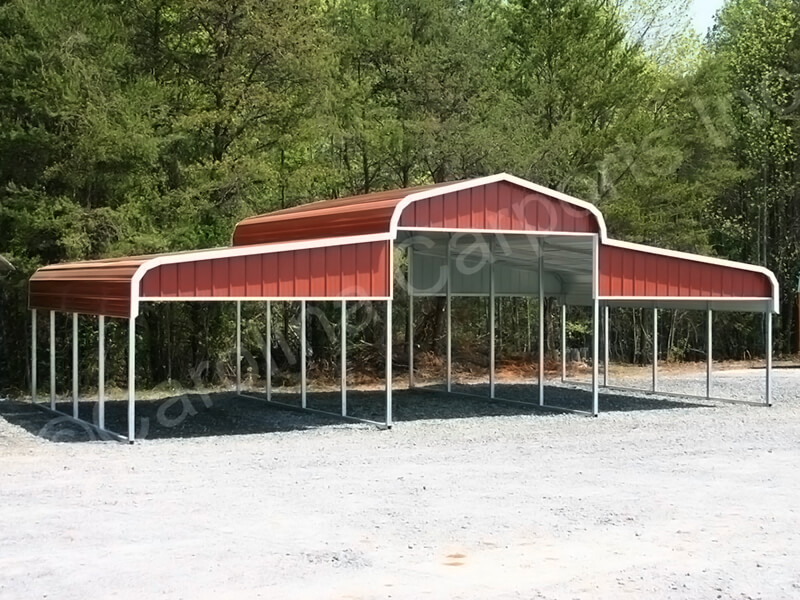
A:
x: 492, y: 324
x: 101, y: 373
x: 710, y: 350
x: 541, y: 323
x: 34, y: 369
x: 768, y: 343
x: 595, y: 356
x: 75, y: 365
x: 303, y: 383
x: 52, y: 360
x: 449, y: 314
x: 605, y: 345
x: 388, y: 363
x: 655, y: 349
x: 268, y: 350
x: 132, y: 379
x: 343, y: 357
x: 410, y: 318
x: 238, y: 346
x: 563, y: 343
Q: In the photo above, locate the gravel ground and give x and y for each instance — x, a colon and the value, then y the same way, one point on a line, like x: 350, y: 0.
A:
x: 227, y: 497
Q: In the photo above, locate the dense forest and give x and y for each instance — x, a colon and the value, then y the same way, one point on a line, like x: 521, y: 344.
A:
x: 141, y: 126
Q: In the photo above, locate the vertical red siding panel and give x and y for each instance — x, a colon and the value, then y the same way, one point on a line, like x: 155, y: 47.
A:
x: 408, y: 216
x: 333, y: 271
x: 269, y: 275
x: 238, y: 275
x: 684, y: 274
x: 150, y: 285
x: 186, y: 279
x: 696, y: 280
x: 437, y: 212
x: 318, y: 258
x: 673, y: 277
x: 479, y: 219
x: 169, y: 281
x: 716, y: 280
x: 252, y: 266
x: 450, y: 203
x: 628, y: 270
x: 463, y: 202
x: 504, y: 205
x: 640, y: 266
x: 219, y: 277
x: 662, y: 278
x: 727, y: 282
x: 648, y: 275
x: 286, y: 278
x: 203, y: 279
x: 363, y: 271
x: 302, y: 273
x: 422, y: 214
x: 606, y: 273
x: 490, y: 196
x: 615, y: 267
x: 349, y: 281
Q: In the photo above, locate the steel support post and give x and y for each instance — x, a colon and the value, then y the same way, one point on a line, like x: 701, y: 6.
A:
x: 605, y: 345
x: 563, y: 343
x: 101, y: 372
x: 53, y: 359
x: 541, y: 323
x: 655, y: 349
x: 410, y: 318
x: 492, y: 319
x: 75, y: 365
x: 33, y: 356
x: 343, y: 357
x: 595, y: 355
x: 132, y: 379
x: 709, y: 350
x: 388, y: 363
x: 238, y: 346
x: 448, y: 309
x: 303, y: 387
x: 268, y: 350
x: 768, y: 387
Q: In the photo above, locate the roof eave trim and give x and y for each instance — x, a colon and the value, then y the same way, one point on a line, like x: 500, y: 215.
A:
x: 500, y: 177
x: 721, y: 262
x: 235, y: 251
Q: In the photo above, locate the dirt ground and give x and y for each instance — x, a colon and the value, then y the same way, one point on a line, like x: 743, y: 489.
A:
x: 463, y: 498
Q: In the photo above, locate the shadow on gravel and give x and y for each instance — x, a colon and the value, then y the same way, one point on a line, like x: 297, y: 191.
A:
x: 225, y: 413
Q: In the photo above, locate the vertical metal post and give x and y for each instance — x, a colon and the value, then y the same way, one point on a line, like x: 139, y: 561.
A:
x: 53, y: 359
x: 132, y: 379
x: 655, y: 349
x: 595, y: 323
x: 410, y: 318
x: 492, y: 319
x: 238, y: 346
x: 449, y: 322
x: 33, y: 356
x: 595, y: 354
x: 388, y: 363
x: 303, y: 353
x: 101, y: 373
x: 541, y: 323
x: 268, y: 350
x: 563, y: 343
x: 75, y: 365
x: 709, y: 350
x: 343, y: 358
x: 768, y: 390
x: 605, y: 345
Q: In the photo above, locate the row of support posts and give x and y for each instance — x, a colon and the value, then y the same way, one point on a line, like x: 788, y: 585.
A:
x: 304, y: 353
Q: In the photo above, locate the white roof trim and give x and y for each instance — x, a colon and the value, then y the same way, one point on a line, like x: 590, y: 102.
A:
x: 235, y: 251
x: 710, y: 260
x: 481, y: 181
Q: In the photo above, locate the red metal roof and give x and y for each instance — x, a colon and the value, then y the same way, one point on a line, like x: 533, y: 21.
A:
x: 342, y: 248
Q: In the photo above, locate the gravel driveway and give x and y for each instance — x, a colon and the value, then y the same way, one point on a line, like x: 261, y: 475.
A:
x: 657, y: 498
